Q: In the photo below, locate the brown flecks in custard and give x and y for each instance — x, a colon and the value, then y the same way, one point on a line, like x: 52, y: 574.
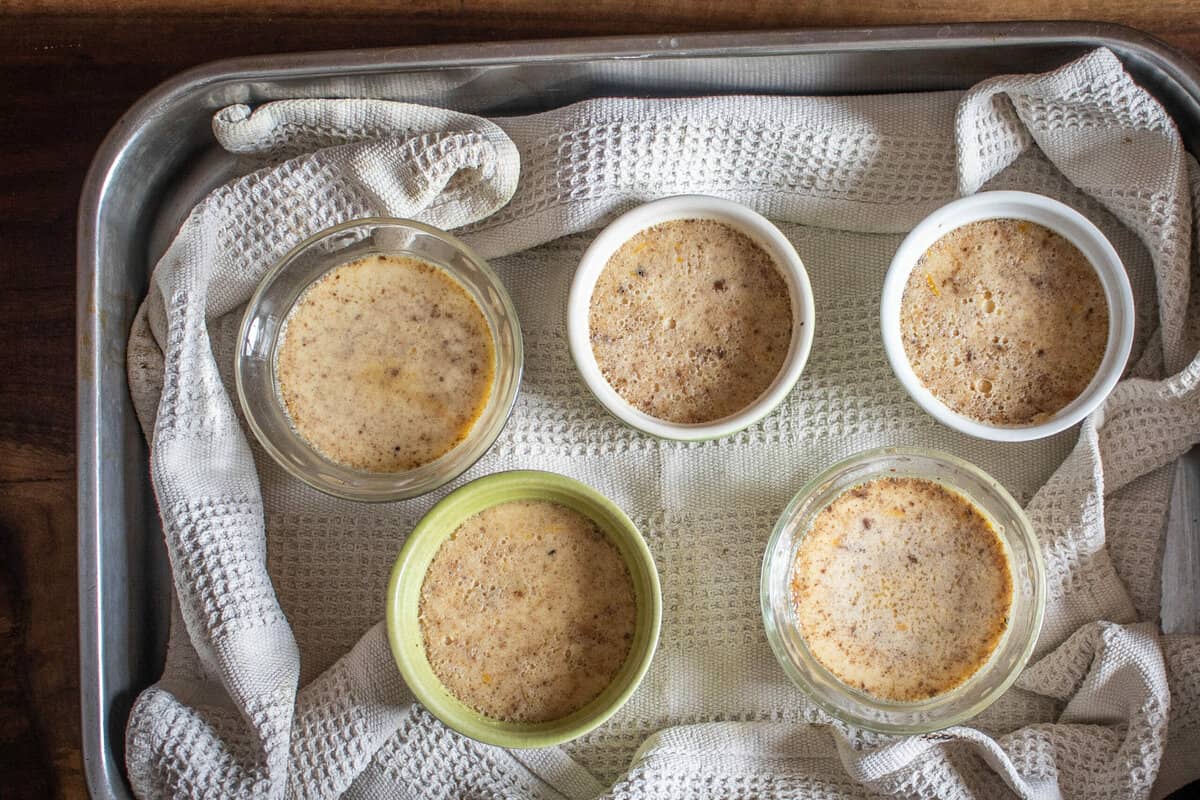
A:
x: 527, y: 611
x: 690, y: 321
x: 385, y: 363
x: 1004, y: 321
x: 902, y: 588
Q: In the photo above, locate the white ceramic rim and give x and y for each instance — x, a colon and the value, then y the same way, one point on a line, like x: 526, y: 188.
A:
x: 1063, y: 220
x: 737, y: 216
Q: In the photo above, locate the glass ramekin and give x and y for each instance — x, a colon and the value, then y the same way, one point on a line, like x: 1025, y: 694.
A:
x: 281, y: 287
x: 982, y: 688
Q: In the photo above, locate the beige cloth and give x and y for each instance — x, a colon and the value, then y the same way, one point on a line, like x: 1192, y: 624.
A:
x: 278, y: 679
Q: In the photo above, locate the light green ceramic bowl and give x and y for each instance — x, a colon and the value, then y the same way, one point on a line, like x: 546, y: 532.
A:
x: 404, y: 593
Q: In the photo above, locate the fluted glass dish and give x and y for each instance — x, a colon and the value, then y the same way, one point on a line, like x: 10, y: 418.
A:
x: 1006, y: 661
x: 260, y: 336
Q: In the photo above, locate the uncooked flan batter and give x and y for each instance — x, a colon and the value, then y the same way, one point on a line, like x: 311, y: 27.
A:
x: 385, y: 363
x: 690, y: 321
x: 902, y: 588
x: 1004, y: 321
x: 527, y: 611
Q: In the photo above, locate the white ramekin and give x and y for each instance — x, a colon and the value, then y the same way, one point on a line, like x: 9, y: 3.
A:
x: 736, y: 216
x: 1063, y: 220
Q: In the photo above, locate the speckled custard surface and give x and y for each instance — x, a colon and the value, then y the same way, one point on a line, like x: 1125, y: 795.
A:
x: 1004, y: 321
x: 902, y: 588
x: 690, y: 321
x: 527, y: 611
x: 385, y: 363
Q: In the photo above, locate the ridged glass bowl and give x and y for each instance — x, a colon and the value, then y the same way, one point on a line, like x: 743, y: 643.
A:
x: 263, y: 325
x: 1007, y: 660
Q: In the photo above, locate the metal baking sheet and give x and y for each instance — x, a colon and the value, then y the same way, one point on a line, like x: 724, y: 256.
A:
x: 160, y: 159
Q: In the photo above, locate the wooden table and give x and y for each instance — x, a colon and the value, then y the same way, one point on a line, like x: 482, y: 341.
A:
x: 67, y: 71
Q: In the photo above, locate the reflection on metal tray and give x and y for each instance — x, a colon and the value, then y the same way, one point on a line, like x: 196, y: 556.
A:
x: 160, y: 159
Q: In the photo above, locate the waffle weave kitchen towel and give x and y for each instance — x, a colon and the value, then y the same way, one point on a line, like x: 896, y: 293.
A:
x: 278, y: 679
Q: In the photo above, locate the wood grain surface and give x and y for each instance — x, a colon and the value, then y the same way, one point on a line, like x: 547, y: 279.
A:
x: 68, y: 69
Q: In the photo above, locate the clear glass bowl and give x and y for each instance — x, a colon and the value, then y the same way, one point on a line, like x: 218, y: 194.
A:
x: 258, y: 342
x: 1009, y: 657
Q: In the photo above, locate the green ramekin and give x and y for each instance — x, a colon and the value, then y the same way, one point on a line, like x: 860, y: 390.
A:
x: 404, y: 593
